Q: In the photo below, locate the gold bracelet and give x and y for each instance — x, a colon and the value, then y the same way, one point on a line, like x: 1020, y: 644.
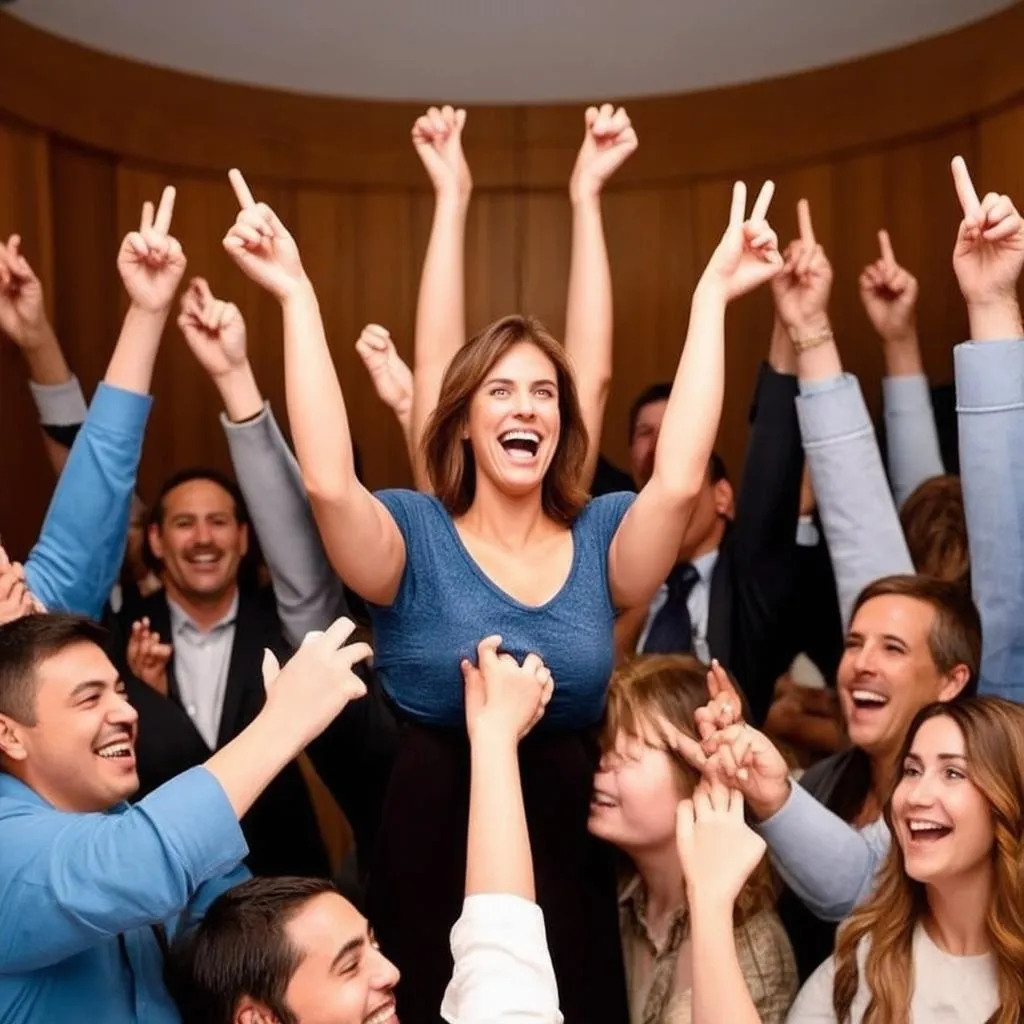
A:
x: 803, y: 342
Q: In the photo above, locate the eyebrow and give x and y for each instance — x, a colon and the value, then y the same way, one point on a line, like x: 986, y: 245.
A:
x: 350, y: 947
x: 940, y: 757
x: 89, y: 684
x: 510, y: 383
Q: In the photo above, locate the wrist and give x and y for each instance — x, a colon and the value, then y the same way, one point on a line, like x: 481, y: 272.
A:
x: 298, y: 291
x: 807, y: 324
x: 493, y: 737
x: 902, y: 354
x: 453, y: 199
x: 762, y: 810
x: 239, y: 393
x: 996, y: 319
x: 585, y: 195
x: 707, y: 905
x: 36, y: 335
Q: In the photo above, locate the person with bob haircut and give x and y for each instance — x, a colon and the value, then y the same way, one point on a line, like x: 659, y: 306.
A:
x: 641, y: 780
x: 507, y: 543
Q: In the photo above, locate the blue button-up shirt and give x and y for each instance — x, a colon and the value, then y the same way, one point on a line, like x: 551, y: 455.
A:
x: 80, y: 894
x: 76, y: 560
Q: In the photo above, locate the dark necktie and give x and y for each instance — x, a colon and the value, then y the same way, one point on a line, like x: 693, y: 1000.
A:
x: 671, y: 631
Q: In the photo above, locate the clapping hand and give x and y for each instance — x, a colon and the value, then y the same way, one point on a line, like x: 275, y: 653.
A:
x: 261, y: 245
x: 748, y: 254
x: 609, y: 141
x: 151, y: 261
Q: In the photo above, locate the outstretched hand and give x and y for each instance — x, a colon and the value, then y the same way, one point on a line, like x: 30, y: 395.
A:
x: 261, y: 245
x: 609, y: 141
x: 437, y: 137
x: 889, y: 295
x: 748, y: 254
x: 989, y: 251
x: 151, y: 260
x: 214, y: 330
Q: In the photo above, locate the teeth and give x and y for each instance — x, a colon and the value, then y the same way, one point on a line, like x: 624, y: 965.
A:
x: 113, y: 750
x: 603, y: 800
x: 869, y: 697
x: 204, y: 558
x: 926, y: 826
x: 520, y: 435
x: 385, y: 1013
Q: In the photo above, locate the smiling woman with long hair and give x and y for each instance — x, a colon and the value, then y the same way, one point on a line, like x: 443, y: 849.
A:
x: 942, y: 937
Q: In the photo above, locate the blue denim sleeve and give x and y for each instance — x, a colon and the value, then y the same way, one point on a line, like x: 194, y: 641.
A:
x: 75, y: 562
x: 990, y: 413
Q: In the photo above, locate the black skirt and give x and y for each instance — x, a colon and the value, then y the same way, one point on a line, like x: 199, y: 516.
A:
x: 418, y: 870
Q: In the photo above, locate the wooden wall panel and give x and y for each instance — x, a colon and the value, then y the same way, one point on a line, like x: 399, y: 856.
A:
x: 868, y: 143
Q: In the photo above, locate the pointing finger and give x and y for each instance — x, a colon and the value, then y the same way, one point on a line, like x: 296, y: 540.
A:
x: 165, y: 211
x: 242, y: 192
x: 885, y: 245
x: 803, y: 217
x: 965, y: 189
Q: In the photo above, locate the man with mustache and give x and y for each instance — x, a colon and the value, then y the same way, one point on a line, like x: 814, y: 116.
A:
x: 203, y: 637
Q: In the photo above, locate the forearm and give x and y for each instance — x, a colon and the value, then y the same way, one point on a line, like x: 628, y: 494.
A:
x: 62, y: 410
x: 589, y: 319
x: 498, y: 858
x: 440, y: 307
x: 44, y: 358
x: 240, y: 394
x: 694, y: 408
x: 316, y: 407
x: 308, y: 592
x: 822, y: 361
x: 720, y: 994
x: 912, y: 437
x: 131, y: 366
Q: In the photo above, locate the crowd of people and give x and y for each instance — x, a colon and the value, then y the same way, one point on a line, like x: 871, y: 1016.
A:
x: 616, y: 747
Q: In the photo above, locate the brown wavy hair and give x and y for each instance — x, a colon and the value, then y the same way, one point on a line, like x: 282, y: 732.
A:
x: 449, y: 456
x: 672, y: 687
x: 993, y: 731
x: 936, y: 530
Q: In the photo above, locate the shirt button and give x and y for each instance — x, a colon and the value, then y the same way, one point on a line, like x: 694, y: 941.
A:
x: 191, y: 709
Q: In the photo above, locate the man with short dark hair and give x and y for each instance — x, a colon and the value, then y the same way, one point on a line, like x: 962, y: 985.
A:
x: 206, y: 688
x: 92, y: 889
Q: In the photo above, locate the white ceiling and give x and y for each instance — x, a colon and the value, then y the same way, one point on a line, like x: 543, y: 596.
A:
x: 497, y: 51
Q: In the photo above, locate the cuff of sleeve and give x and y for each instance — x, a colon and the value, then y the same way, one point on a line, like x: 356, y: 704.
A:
x: 119, y: 410
x: 807, y: 535
x: 832, y: 410
x: 769, y: 828
x: 59, y: 405
x: 989, y: 376
x: 193, y: 813
x: 906, y: 394
x: 256, y: 424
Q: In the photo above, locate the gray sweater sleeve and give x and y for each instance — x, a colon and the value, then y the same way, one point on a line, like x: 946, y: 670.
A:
x: 826, y: 862
x: 308, y: 592
x: 911, y: 437
x: 865, y: 539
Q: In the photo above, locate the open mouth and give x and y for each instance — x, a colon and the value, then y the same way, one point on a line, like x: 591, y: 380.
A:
x: 522, y: 445
x: 923, y: 831
x: 600, y: 799
x: 868, y: 700
x: 384, y: 1015
x: 117, y: 750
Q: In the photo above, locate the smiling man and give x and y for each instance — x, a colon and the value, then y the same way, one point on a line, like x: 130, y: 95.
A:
x: 92, y: 889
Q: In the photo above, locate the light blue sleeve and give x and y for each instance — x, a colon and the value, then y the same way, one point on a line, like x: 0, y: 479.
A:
x: 68, y: 880
x: 75, y: 562
x: 911, y: 436
x: 865, y: 539
x: 829, y: 864
x: 990, y: 412
x: 308, y: 593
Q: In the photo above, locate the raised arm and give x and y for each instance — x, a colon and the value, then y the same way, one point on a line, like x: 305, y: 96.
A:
x: 73, y: 878
x: 608, y: 141
x: 889, y: 295
x: 646, y: 544
x: 309, y: 594
x: 362, y: 540
x: 503, y: 970
x: 987, y: 259
x: 79, y: 553
x: 863, y: 531
x: 23, y: 319
x: 441, y: 306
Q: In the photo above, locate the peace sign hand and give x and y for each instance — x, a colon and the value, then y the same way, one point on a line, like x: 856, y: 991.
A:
x: 261, y: 245
x: 437, y: 136
x: 214, y: 330
x: 609, y: 141
x: 889, y: 295
x: 151, y: 261
x: 989, y: 251
x: 802, y: 290
x: 748, y: 254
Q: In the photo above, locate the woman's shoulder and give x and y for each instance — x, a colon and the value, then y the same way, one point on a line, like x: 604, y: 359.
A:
x: 605, y: 513
x: 412, y: 510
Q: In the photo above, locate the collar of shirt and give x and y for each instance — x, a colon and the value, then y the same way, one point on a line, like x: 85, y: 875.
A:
x: 182, y: 622
x: 633, y: 905
x: 705, y: 566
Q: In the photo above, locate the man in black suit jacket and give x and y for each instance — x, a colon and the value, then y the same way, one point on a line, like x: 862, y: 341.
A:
x: 732, y: 587
x: 203, y: 684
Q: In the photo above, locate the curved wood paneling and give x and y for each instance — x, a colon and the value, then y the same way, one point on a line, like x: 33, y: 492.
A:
x: 85, y: 137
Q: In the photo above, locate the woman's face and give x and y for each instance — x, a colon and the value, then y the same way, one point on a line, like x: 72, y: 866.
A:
x: 943, y: 822
x: 637, y: 789
x: 514, y: 420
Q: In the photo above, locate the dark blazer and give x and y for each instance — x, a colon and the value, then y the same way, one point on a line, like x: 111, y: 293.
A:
x: 756, y: 573
x: 281, y: 828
